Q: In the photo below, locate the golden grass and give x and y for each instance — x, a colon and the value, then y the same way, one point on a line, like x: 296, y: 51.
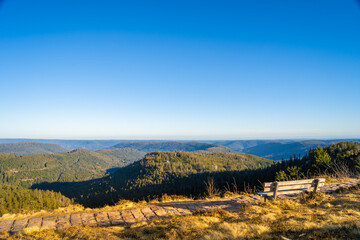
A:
x: 125, y: 204
x: 60, y: 211
x: 171, y: 198
x: 74, y: 208
x: 313, y: 217
x: 122, y: 204
x: 330, y: 179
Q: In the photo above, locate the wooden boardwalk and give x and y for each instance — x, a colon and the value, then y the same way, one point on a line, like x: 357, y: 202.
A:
x: 131, y: 216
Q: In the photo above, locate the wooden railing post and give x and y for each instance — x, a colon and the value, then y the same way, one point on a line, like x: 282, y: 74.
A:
x: 316, y: 186
x: 276, y: 186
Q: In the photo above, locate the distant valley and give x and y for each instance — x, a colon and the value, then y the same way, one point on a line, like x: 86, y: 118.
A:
x: 30, y: 148
x: 152, y: 146
x: 271, y: 149
x: 277, y: 149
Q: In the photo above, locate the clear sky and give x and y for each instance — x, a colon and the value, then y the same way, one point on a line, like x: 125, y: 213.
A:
x: 180, y: 69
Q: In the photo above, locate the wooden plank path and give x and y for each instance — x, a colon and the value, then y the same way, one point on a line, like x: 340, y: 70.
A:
x: 131, y: 216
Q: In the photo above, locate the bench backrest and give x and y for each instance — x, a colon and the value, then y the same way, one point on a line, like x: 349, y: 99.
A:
x: 289, y: 187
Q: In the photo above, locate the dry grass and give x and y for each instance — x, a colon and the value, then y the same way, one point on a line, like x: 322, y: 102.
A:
x: 330, y: 179
x: 313, y: 217
x: 122, y: 204
x: 125, y: 204
x: 60, y: 211
x: 75, y: 208
x: 171, y: 198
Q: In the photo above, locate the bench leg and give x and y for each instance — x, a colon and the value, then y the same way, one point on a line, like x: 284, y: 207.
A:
x: 316, y: 185
x: 276, y: 186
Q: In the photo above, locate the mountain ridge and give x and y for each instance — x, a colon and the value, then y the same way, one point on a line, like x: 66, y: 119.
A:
x: 30, y: 148
x: 274, y: 149
x: 153, y: 146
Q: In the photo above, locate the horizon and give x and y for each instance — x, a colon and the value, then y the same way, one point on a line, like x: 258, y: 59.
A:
x: 180, y: 140
x: 180, y: 70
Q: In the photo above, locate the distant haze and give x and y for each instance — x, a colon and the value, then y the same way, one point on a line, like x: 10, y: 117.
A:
x: 271, y: 149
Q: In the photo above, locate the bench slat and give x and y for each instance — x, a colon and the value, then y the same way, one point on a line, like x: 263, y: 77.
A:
x: 282, y: 192
x: 307, y: 185
x: 284, y: 183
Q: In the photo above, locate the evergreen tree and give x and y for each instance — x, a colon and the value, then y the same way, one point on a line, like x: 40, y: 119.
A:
x: 321, y: 160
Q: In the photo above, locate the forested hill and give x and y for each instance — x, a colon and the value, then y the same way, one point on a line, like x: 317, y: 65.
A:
x: 28, y: 148
x: 18, y: 200
x: 271, y: 149
x: 123, y: 155
x: 92, y: 145
x: 152, y: 146
x: 277, y: 149
x: 217, y: 149
x: 186, y: 173
x: 77, y: 165
x: 156, y: 174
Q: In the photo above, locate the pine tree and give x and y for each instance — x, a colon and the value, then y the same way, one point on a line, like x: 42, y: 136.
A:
x: 321, y: 160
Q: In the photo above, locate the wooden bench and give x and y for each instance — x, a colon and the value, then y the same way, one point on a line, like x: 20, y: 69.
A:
x: 273, y: 189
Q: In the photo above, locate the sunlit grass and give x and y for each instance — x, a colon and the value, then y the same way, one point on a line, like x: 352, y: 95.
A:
x: 122, y: 204
x: 75, y: 208
x: 312, y: 217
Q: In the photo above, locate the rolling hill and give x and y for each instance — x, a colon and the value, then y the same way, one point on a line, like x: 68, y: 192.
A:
x: 123, y: 155
x: 159, y: 173
x: 241, y: 145
x: 77, y: 165
x: 92, y: 145
x: 276, y: 149
x: 146, y: 146
x: 272, y: 149
x: 281, y: 150
x: 217, y: 149
x: 19, y: 200
x: 29, y: 148
x: 152, y: 146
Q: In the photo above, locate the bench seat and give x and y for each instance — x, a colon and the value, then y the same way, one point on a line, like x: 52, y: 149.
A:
x: 273, y: 189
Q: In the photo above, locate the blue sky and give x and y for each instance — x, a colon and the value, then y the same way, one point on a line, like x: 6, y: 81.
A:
x: 88, y: 69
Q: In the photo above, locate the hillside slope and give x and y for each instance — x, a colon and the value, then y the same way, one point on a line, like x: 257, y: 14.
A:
x: 241, y: 145
x: 276, y: 149
x: 29, y: 148
x: 92, y: 145
x: 152, y: 146
x: 218, y: 149
x: 77, y: 165
x: 18, y: 199
x: 123, y: 155
x: 272, y: 149
x: 158, y: 173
